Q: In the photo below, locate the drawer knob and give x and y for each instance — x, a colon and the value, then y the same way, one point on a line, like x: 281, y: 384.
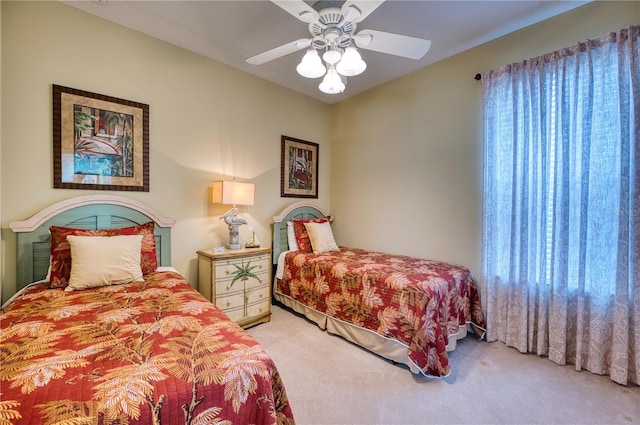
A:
x: 228, y: 303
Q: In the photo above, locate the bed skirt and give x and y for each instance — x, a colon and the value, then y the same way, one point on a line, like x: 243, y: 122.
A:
x: 388, y: 348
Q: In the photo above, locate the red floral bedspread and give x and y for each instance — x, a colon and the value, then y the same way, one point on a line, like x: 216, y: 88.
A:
x: 154, y: 352
x: 414, y: 301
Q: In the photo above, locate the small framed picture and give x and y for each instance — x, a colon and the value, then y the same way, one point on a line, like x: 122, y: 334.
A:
x: 99, y: 142
x: 299, y: 168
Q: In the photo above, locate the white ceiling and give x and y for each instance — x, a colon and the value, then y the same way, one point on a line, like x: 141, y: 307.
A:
x: 231, y: 31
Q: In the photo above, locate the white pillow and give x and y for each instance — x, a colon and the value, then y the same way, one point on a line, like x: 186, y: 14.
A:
x: 48, y: 278
x: 321, y: 237
x: 104, y: 260
x: 291, y: 237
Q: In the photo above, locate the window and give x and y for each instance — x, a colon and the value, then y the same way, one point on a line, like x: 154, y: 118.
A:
x: 561, y: 194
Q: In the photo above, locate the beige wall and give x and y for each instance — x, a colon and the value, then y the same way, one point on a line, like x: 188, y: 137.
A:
x: 207, y: 121
x: 406, y: 163
x: 401, y: 168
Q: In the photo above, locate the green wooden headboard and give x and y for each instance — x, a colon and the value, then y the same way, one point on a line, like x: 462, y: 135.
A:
x: 300, y: 209
x: 83, y: 212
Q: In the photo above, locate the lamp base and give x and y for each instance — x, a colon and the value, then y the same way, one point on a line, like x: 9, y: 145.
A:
x: 234, y: 223
x: 234, y: 237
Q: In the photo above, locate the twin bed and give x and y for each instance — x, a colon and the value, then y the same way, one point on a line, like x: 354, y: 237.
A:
x: 150, y: 351
x: 408, y: 310
x: 77, y: 346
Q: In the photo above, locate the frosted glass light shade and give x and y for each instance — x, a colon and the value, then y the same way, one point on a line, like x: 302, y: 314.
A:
x: 232, y: 193
x: 331, y: 83
x: 331, y: 57
x: 311, y: 66
x: 351, y: 63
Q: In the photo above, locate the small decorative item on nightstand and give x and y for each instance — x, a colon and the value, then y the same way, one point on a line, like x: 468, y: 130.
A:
x: 253, y: 242
x: 238, y: 282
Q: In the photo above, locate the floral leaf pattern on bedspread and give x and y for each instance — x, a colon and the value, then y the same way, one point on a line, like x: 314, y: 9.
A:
x: 142, y: 353
x: 417, y: 302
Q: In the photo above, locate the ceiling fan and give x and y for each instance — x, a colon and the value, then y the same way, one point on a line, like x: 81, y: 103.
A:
x: 333, y: 32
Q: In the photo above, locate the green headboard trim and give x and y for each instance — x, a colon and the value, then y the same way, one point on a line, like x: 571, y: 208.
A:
x: 84, y: 212
x: 301, y: 209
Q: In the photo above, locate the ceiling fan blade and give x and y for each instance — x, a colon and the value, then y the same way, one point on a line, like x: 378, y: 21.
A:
x: 355, y: 11
x: 279, y: 52
x: 393, y: 44
x: 299, y: 9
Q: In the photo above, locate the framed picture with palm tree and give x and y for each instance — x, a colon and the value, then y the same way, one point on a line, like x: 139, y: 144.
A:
x: 299, y: 168
x: 99, y: 142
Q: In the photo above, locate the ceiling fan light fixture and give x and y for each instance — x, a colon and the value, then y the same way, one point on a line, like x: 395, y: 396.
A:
x: 351, y: 63
x: 332, y: 56
x: 311, y: 66
x: 334, y: 43
x: 331, y: 83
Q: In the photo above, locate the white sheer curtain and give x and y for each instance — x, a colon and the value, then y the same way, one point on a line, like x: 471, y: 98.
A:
x: 561, y: 217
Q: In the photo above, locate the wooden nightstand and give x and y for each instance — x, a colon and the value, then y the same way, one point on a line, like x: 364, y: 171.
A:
x: 238, y: 282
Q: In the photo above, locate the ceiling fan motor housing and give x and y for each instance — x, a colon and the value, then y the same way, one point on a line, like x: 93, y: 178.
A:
x: 331, y: 29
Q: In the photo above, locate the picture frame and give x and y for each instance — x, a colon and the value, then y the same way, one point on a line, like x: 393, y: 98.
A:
x: 299, y: 168
x: 99, y: 142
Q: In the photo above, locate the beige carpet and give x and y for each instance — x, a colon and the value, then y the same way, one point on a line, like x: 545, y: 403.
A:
x: 331, y: 381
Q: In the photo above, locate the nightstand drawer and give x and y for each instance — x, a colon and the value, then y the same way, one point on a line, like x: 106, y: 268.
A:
x: 231, y: 301
x: 227, y: 285
x: 258, y: 294
x: 229, y: 267
x: 236, y: 314
x: 254, y: 310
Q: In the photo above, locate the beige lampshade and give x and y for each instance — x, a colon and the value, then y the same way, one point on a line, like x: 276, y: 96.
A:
x: 232, y: 193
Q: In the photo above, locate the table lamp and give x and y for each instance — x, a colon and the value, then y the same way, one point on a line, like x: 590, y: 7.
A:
x: 232, y: 193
